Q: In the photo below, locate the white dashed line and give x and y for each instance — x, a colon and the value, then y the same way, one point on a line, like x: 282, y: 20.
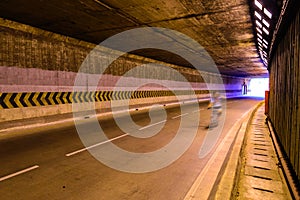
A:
x: 180, y: 115
x: 95, y: 145
x: 198, y: 110
x: 152, y: 125
x: 18, y: 173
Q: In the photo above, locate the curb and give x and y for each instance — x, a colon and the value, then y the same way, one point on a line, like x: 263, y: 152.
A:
x: 227, y: 186
x: 207, y: 184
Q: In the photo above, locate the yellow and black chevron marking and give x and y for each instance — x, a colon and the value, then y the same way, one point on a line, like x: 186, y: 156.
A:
x: 20, y: 100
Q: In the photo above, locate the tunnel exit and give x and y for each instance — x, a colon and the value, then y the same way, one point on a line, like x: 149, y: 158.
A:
x: 258, y: 86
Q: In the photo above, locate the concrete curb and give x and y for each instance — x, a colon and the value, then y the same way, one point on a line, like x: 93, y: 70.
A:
x: 226, y: 188
x: 207, y: 184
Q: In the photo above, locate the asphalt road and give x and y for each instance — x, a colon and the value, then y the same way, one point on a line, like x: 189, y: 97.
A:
x: 52, y: 163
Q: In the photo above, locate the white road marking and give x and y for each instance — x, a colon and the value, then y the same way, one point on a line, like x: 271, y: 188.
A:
x: 95, y: 145
x: 197, y: 110
x: 152, y: 125
x: 231, y: 102
x: 180, y: 115
x: 18, y: 173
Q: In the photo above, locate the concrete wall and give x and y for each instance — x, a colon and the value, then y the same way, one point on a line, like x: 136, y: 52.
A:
x: 38, y: 69
x: 284, y: 98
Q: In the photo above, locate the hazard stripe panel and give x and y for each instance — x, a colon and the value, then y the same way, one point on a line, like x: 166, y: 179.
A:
x: 20, y: 100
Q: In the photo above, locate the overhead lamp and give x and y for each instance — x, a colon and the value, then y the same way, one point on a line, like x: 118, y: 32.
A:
x: 265, y: 46
x: 265, y: 30
x: 257, y: 15
x: 258, y: 30
x: 265, y: 41
x: 258, y: 24
x: 259, y: 35
x: 259, y: 5
x: 265, y: 23
x: 268, y: 13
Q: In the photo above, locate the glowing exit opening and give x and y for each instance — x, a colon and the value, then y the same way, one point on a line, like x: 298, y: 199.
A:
x: 258, y: 86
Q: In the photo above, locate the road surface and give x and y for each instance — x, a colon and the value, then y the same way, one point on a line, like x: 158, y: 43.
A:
x: 52, y: 163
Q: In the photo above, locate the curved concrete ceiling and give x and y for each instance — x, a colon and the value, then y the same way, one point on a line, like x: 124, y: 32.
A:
x: 222, y: 27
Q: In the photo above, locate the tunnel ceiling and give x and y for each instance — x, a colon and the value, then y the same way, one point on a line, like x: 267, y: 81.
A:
x: 222, y: 27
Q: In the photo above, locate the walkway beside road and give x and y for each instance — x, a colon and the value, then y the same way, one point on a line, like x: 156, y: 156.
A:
x: 258, y: 173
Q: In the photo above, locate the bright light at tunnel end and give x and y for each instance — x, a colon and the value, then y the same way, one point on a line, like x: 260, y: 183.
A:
x: 98, y: 61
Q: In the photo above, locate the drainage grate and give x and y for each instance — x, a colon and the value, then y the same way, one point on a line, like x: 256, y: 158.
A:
x: 260, y: 149
x: 261, y: 160
x: 259, y: 137
x: 261, y: 144
x: 261, y: 189
x: 259, y: 140
x: 261, y: 134
x: 260, y: 154
x: 261, y: 168
x: 265, y: 178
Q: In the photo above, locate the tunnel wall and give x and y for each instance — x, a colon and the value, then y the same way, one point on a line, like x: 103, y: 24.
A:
x: 38, y: 70
x: 284, y: 99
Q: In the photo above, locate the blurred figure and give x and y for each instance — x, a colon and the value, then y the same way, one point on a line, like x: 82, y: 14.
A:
x: 216, y: 106
x: 244, y: 88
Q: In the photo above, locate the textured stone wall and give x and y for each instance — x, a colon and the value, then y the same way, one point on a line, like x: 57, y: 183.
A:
x: 284, y: 98
x: 41, y: 66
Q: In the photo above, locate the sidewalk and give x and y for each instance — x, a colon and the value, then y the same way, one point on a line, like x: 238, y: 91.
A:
x: 258, y: 174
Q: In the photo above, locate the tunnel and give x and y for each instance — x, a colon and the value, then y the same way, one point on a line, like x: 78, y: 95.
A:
x: 170, y: 99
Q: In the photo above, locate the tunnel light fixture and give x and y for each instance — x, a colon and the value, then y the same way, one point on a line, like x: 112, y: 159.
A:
x: 257, y: 15
x: 265, y: 30
x: 265, y: 41
x: 259, y: 5
x: 258, y: 30
x: 259, y: 35
x: 265, y: 23
x: 268, y: 13
x: 258, y: 24
x: 264, y: 45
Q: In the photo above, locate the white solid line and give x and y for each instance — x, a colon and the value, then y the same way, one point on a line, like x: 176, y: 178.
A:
x: 180, y: 115
x: 18, y: 173
x: 152, y: 125
x: 95, y: 145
